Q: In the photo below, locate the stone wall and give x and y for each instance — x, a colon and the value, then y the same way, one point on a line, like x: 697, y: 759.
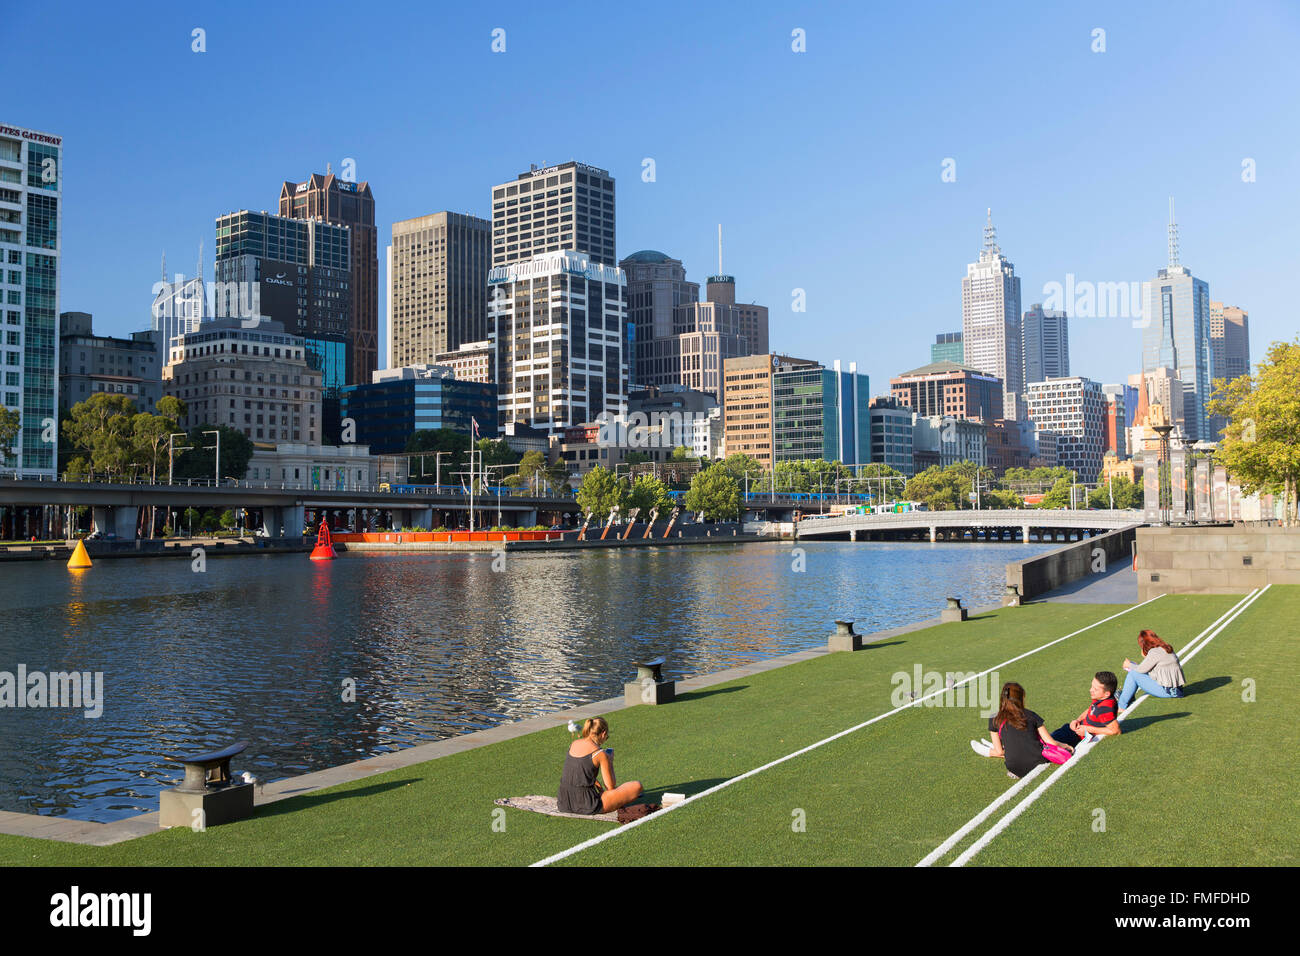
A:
x: 1052, y: 570
x: 1222, y: 559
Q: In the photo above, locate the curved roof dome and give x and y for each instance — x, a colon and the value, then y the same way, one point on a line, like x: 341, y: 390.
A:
x: 647, y: 255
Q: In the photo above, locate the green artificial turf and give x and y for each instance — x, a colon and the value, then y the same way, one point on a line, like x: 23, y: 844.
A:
x: 884, y: 795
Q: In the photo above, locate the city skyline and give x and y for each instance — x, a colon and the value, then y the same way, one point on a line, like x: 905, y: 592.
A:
x: 782, y: 232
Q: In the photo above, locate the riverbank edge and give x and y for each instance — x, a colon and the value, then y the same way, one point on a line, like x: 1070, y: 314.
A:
x: 89, y: 833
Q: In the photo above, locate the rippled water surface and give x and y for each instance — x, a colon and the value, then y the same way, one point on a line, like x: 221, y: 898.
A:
x: 437, y: 644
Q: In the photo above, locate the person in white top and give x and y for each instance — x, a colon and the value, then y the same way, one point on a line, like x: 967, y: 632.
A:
x: 1160, y: 674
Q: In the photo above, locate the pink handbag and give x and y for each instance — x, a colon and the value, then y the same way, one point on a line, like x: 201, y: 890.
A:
x: 1055, y: 753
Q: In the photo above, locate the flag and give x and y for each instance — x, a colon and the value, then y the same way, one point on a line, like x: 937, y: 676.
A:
x: 474, y: 421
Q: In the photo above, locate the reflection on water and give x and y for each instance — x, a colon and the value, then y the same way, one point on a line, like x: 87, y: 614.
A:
x: 262, y: 648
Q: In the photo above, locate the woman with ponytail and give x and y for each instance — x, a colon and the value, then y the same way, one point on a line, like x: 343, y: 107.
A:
x: 580, y: 790
x: 1160, y: 674
x: 1018, y: 733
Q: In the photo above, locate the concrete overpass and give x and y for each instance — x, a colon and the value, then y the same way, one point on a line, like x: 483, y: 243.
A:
x: 283, y: 505
x: 982, y: 525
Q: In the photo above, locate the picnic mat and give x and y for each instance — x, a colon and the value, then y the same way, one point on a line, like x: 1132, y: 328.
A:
x: 550, y: 807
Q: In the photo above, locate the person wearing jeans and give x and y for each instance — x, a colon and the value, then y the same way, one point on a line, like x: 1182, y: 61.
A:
x: 1160, y: 674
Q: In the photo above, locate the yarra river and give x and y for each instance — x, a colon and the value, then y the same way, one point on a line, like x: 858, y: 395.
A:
x: 264, y: 648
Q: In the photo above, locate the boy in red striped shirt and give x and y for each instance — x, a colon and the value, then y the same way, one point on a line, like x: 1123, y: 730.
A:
x: 1102, y: 716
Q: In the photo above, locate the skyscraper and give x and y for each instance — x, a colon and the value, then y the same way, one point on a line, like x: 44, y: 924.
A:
x: 1074, y: 409
x: 296, y: 272
x: 31, y: 191
x: 990, y: 319
x: 656, y: 285
x: 179, y: 305
x: 553, y: 209
x: 947, y: 347
x: 558, y: 322
x: 1045, y: 341
x: 437, y: 275
x: 1176, y: 309
x: 346, y: 203
x: 1229, y: 340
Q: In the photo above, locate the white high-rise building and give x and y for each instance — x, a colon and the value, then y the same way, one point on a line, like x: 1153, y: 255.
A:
x: 31, y: 218
x: 1045, y: 341
x: 1073, y: 409
x: 990, y: 319
x: 557, y: 321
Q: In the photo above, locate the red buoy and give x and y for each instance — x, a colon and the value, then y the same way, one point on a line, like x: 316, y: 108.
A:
x: 324, y: 550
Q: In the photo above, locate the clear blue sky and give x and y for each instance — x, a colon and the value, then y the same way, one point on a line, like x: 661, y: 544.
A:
x: 823, y: 166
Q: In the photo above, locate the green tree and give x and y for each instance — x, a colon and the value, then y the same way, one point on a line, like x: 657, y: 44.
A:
x: 1001, y: 498
x: 1059, y: 495
x: 10, y: 424
x: 738, y: 465
x: 942, y: 489
x: 200, y: 464
x: 682, y: 453
x: 192, y: 518
x: 495, y: 451
x: 424, y: 447
x: 649, y: 492
x: 1127, y: 494
x: 100, y: 426
x: 227, y: 519
x: 715, y: 494
x: 1260, y: 447
x: 600, y: 492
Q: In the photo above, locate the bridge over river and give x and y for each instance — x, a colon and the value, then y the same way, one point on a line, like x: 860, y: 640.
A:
x: 1024, y: 524
x: 39, y: 507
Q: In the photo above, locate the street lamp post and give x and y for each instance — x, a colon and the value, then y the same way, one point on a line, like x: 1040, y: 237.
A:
x: 172, y: 449
x: 216, y: 476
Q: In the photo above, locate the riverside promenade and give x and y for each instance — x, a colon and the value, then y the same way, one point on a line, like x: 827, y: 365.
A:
x: 874, y: 767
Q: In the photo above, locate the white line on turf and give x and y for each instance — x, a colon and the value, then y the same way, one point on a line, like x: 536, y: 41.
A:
x: 1084, y: 748
x: 1015, y: 789
x: 586, y: 844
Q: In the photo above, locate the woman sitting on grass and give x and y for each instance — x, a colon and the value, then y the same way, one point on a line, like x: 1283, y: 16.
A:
x: 1160, y: 674
x: 580, y: 791
x: 1018, y: 734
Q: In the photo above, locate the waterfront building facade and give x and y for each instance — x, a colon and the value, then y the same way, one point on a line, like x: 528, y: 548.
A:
x: 293, y: 271
x: 315, y: 467
x: 438, y: 288
x: 821, y: 413
x: 31, y: 242
x: 943, y: 441
x: 747, y: 404
x: 990, y: 309
x: 90, y: 364
x: 342, y: 202
x: 563, y: 208
x: 947, y: 388
x: 401, y: 401
x: 891, y: 434
x: 558, y: 323
x: 249, y: 374
x: 1045, y: 343
x: 1229, y: 340
x: 1074, y: 409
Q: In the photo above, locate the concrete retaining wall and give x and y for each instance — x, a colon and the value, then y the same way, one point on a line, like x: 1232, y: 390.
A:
x: 1224, y: 559
x: 1052, y: 570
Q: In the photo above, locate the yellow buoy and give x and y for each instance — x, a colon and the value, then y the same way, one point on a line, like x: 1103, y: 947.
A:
x: 79, y: 559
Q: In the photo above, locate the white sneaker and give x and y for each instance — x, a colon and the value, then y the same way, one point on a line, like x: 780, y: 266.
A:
x: 981, y: 747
